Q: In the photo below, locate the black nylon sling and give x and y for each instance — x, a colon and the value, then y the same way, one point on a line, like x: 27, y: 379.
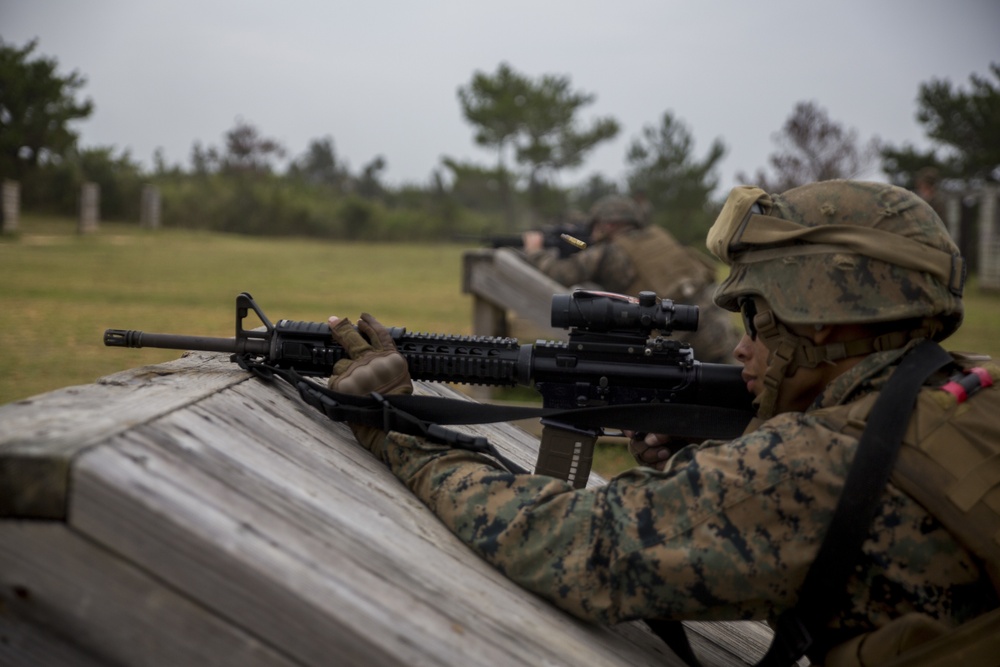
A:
x: 799, y: 631
x: 415, y: 414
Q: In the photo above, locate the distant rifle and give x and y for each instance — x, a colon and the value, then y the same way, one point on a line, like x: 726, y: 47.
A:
x: 566, y: 237
x: 618, y: 369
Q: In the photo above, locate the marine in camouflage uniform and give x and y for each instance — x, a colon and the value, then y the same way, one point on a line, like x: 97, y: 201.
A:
x: 728, y: 530
x: 926, y: 184
x: 627, y: 255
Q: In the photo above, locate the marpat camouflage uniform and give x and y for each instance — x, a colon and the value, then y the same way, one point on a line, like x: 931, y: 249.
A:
x: 726, y: 531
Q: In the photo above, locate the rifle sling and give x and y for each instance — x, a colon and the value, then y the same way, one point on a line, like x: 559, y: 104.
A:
x: 679, y: 419
x: 426, y: 415
x: 800, y: 630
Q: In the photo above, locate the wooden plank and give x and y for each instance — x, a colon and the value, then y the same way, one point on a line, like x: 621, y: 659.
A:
x: 279, y: 521
x: 474, y: 261
x: 42, y: 435
x: 83, y: 605
x: 259, y: 512
x: 503, y: 278
x: 27, y: 644
x: 487, y: 318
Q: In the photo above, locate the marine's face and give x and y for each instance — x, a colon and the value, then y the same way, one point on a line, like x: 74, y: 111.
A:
x: 796, y: 391
x: 752, y: 353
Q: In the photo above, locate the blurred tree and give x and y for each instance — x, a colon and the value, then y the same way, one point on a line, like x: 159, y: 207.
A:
x: 204, y: 161
x: 901, y: 165
x: 815, y: 148
x: 161, y: 169
x: 355, y: 215
x: 319, y: 166
x: 369, y: 182
x: 36, y: 107
x: 55, y: 186
x: 965, y: 125
x: 495, y: 106
x: 595, y: 187
x: 550, y: 139
x: 537, y: 122
x: 247, y: 152
x: 475, y: 186
x: 443, y: 205
x: 677, y: 187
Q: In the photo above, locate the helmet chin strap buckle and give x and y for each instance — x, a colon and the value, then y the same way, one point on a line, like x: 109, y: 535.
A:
x: 788, y: 352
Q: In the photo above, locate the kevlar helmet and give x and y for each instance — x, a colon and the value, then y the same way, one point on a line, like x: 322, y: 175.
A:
x: 840, y: 252
x: 615, y: 208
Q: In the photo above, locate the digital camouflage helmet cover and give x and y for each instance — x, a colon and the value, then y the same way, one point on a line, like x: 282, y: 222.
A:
x: 837, y: 252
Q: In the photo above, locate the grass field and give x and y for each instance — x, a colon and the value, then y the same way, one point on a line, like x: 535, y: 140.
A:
x: 60, y: 291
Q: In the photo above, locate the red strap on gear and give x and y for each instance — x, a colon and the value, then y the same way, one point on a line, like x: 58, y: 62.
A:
x: 984, y: 376
x: 964, y: 385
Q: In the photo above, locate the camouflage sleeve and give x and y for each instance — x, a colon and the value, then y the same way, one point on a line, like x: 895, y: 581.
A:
x: 724, y: 532
x: 727, y: 531
x: 582, y: 267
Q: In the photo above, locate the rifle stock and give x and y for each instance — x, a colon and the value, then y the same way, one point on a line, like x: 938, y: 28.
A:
x: 611, y: 358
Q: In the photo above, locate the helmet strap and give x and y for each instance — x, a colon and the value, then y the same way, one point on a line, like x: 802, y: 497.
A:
x: 782, y: 345
x: 790, y: 351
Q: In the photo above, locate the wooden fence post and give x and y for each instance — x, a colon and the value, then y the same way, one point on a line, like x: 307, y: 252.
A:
x: 10, y: 211
x: 989, y: 237
x: 90, y: 208
x: 149, y: 207
x: 953, y: 217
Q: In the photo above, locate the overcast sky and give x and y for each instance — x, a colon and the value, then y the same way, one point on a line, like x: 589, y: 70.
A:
x: 380, y: 78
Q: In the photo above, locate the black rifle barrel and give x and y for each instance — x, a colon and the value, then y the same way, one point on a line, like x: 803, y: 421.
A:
x: 133, y: 338
x: 309, y: 348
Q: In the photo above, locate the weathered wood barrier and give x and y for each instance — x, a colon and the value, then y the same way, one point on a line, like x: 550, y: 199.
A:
x: 189, y: 514
x: 501, y: 284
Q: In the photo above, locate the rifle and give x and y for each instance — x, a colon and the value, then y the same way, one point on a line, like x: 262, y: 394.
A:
x: 618, y: 363
x: 555, y: 236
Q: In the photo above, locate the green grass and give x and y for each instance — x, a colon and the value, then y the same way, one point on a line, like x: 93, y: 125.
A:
x: 60, y: 291
x: 980, y: 332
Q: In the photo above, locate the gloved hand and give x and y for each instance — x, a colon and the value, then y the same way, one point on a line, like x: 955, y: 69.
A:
x: 654, y: 449
x: 372, y: 365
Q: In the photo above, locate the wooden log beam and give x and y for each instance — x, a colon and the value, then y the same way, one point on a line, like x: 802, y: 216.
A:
x: 207, y: 517
x: 501, y: 281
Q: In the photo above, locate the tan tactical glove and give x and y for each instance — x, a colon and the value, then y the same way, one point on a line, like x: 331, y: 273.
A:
x: 373, y: 365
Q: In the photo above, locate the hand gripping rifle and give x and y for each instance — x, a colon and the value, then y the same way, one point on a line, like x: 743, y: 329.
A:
x: 567, y: 238
x: 619, y: 369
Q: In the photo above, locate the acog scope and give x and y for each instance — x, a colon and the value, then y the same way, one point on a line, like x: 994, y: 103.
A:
x: 606, y: 311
